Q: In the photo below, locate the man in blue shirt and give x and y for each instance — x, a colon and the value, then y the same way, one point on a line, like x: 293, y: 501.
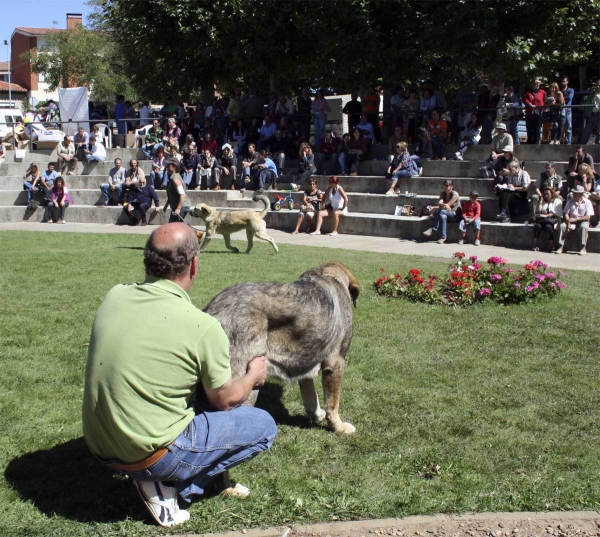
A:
x: 47, y: 180
x: 568, y: 94
x: 267, y: 132
x: 267, y: 171
x: 366, y: 128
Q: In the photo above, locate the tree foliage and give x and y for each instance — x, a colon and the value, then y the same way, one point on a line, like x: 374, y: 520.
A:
x: 179, y: 46
x: 81, y: 57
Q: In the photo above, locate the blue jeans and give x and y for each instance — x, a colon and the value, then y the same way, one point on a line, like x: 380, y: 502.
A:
x: 213, y: 442
x: 475, y: 223
x: 592, y: 123
x: 151, y: 151
x: 50, y: 210
x: 262, y: 178
x: 106, y: 192
x: 342, y: 161
x: 568, y: 125
x: 464, y: 143
x: 28, y: 185
x: 443, y: 217
x: 437, y: 144
x: 513, y: 126
x: 187, y: 177
x: 319, y: 123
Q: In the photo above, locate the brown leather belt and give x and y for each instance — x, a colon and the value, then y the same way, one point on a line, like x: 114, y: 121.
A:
x: 141, y: 465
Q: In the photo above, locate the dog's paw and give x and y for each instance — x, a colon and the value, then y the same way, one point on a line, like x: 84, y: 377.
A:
x: 235, y: 250
x: 318, y: 416
x: 345, y: 428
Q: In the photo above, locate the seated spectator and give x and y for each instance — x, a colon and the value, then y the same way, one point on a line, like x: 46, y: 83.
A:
x: 394, y: 140
x: 47, y: 179
x: 438, y: 128
x: 311, y: 205
x: 21, y: 138
x: 172, y: 133
x: 358, y: 151
x: 2, y: 151
x: 154, y: 140
x: 66, y: 156
x: 411, y: 108
x: 471, y: 215
x: 335, y: 201
x: 580, y: 157
x: 238, y: 135
x: 501, y: 142
x: 210, y: 171
x: 424, y: 149
x: 189, y: 139
x: 547, y: 179
x: 577, y: 214
x: 366, y: 129
x: 266, y: 132
x: 81, y: 141
x: 401, y: 166
x: 31, y: 185
x: 284, y: 107
x: 297, y: 135
x: 208, y: 129
x: 327, y: 151
x: 593, y: 114
x: 511, y: 190
x: 427, y: 106
x: 267, y: 172
x: 173, y: 152
x: 209, y: 143
x: 229, y: 165
x: 220, y: 123
x: 306, y: 164
x: 280, y: 148
x: 190, y: 164
x: 547, y: 215
x: 234, y: 107
x: 134, y: 174
x: 284, y: 126
x: 501, y: 167
x: 157, y: 175
x: 343, y: 148
x: 96, y: 152
x: 114, y: 185
x: 586, y: 179
x: 595, y: 196
x: 252, y: 133
x: 140, y: 199
x: 97, y: 134
x: 59, y: 199
x: 470, y: 135
x: 447, y: 210
x: 249, y: 169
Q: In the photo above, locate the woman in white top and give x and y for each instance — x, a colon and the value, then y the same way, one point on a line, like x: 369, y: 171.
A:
x: 336, y: 205
x: 547, y: 216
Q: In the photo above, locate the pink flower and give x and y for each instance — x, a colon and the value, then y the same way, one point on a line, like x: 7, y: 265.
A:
x: 473, y: 258
x: 485, y: 292
x: 560, y: 285
x: 528, y: 289
x: 535, y: 285
x: 553, y: 285
x: 476, y: 266
x: 495, y: 260
x: 517, y: 284
x: 561, y: 273
x: 550, y: 275
x: 495, y: 277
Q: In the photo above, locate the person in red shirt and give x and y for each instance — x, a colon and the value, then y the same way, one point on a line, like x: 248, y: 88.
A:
x: 370, y: 107
x: 439, y: 132
x: 328, y: 151
x: 533, y: 100
x: 471, y: 214
x: 209, y: 143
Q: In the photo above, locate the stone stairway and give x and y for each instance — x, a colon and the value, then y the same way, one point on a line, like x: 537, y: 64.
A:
x: 371, y: 212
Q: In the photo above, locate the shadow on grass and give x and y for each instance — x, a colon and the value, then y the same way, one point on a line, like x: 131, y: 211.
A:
x: 68, y: 481
x: 130, y: 248
x: 270, y: 399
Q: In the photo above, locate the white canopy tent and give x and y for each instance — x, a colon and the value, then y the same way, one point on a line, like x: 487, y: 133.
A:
x: 73, y: 103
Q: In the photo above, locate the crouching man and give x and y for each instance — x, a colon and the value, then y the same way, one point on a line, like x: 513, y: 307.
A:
x: 141, y: 410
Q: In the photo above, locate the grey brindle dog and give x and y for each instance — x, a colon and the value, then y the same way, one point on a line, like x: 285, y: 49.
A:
x: 300, y: 327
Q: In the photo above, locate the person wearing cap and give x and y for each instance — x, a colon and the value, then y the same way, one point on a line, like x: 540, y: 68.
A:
x: 548, y: 213
x: 229, y: 164
x: 471, y: 215
x: 577, y: 214
x: 501, y: 143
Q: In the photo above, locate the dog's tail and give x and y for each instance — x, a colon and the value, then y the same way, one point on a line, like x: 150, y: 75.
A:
x: 265, y: 200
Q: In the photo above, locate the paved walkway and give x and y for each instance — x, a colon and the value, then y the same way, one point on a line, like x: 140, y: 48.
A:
x: 348, y: 242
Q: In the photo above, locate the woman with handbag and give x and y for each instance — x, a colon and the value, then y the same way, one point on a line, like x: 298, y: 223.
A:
x: 548, y: 214
x: 311, y: 205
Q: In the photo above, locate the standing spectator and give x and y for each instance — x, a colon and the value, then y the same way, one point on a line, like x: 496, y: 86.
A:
x: 593, y: 115
x: 319, y: 109
x: 31, y: 185
x: 471, y: 215
x: 120, y: 111
x: 130, y: 113
x: 238, y: 135
x: 252, y: 107
x: 353, y: 109
x: 534, y: 102
x: 401, y: 166
x: 303, y: 108
x: 96, y: 152
x: 370, y: 104
x: 357, y: 152
x: 145, y: 114
x: 114, y: 185
x: 514, y: 114
x: 440, y: 100
x: 266, y: 131
x: 448, y: 210
x: 438, y: 129
x: 427, y: 106
x: 336, y: 206
x: 467, y: 102
x: 157, y: 176
x: 424, y: 150
x: 229, y: 165
x: 558, y: 113
x: 280, y: 148
x: 297, y: 135
x: 306, y: 164
x: 411, y: 106
x: 577, y: 214
x: 60, y: 199
x: 488, y: 113
x: 176, y: 197
x: 547, y: 179
x: 470, y: 135
x: 190, y: 163
x: 272, y: 104
x: 568, y: 94
x: 140, y: 199
x: 311, y: 205
x: 81, y: 141
x: 328, y: 150
x: 511, y: 190
x: 267, y: 171
x: 547, y: 214
x: 397, y: 105
x: 154, y: 140
x: 234, y: 108
x: 284, y: 107
x: 66, y: 156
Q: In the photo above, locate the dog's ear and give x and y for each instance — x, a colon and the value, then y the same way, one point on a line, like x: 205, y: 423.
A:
x: 354, y: 288
x: 206, y: 212
x: 335, y: 268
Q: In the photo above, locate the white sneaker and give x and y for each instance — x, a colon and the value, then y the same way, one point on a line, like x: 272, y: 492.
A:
x: 458, y: 155
x: 334, y: 233
x: 315, y: 233
x: 390, y: 193
x: 161, y: 501
x: 460, y: 241
x: 420, y: 172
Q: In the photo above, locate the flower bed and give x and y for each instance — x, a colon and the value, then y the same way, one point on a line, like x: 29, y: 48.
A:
x: 470, y: 282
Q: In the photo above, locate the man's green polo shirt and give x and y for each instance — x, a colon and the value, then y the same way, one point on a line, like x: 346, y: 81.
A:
x: 149, y: 348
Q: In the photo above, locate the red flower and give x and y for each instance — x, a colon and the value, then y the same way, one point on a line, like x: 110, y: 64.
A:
x: 458, y: 255
x: 530, y: 266
x: 414, y: 272
x: 468, y: 293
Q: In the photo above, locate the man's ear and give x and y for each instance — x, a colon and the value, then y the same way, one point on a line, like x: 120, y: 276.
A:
x: 194, y: 267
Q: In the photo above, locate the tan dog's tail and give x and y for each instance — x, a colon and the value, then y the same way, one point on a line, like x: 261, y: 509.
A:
x: 265, y: 200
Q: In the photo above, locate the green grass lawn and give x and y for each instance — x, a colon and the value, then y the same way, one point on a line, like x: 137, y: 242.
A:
x: 506, y: 400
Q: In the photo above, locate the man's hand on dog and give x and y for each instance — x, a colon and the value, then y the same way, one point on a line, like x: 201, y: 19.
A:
x: 257, y: 368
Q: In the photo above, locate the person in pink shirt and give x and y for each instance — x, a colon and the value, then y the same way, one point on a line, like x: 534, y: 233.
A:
x: 60, y: 199
x: 576, y: 217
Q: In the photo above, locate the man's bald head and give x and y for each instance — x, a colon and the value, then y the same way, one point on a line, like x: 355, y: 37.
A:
x: 170, y: 250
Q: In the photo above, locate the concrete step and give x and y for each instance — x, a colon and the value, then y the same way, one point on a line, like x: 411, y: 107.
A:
x: 47, y: 155
x: 526, y: 152
x: 366, y: 224
x: 411, y: 228
x: 95, y: 168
